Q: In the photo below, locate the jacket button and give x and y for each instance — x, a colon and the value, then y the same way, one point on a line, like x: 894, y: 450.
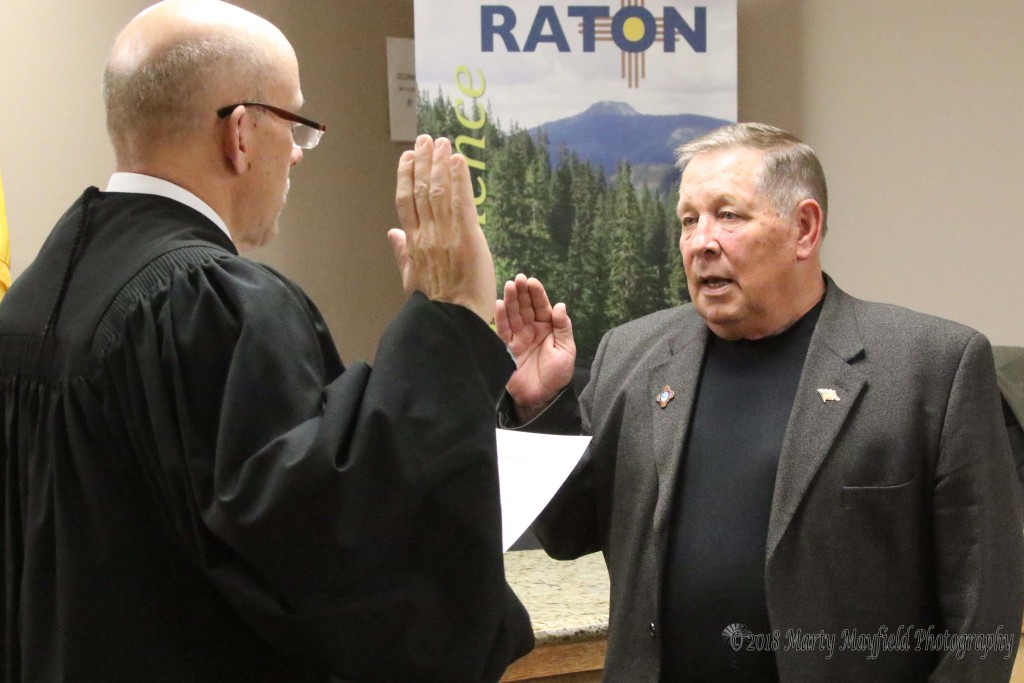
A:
x: 653, y: 629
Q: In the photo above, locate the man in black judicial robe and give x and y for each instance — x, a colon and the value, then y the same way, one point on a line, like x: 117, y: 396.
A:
x: 195, y: 487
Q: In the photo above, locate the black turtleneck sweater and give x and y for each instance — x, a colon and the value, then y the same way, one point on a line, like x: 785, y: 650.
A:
x: 715, y: 563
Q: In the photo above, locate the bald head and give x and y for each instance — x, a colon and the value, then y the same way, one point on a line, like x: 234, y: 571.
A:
x: 176, y: 62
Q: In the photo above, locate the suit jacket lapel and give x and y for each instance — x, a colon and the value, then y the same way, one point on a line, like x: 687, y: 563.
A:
x: 814, y: 422
x: 679, y: 369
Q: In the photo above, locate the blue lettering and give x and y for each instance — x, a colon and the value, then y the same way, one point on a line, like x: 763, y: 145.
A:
x: 618, y: 32
x: 488, y: 29
x: 590, y: 15
x: 697, y: 36
x: 634, y: 28
x: 546, y: 16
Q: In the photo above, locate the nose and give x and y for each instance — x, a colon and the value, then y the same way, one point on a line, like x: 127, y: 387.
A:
x: 703, y: 237
x: 296, y: 154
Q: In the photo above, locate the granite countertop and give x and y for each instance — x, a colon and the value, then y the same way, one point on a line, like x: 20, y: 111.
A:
x: 567, y: 601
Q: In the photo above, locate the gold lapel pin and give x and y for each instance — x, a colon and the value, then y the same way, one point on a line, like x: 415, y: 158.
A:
x: 665, y: 396
x: 828, y: 394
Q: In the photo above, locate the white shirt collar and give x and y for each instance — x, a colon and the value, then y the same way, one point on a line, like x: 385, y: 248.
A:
x: 146, y: 184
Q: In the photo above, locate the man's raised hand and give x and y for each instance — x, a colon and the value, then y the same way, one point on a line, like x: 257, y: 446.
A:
x: 539, y: 335
x: 440, y: 248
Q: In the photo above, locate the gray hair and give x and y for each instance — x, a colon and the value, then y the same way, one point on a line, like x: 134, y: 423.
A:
x: 164, y: 95
x: 791, y: 171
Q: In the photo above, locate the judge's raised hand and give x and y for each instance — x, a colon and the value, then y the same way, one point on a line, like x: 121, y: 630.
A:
x: 540, y: 338
x: 440, y: 249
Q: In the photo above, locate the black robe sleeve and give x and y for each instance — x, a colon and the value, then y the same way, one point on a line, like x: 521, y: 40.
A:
x: 351, y: 516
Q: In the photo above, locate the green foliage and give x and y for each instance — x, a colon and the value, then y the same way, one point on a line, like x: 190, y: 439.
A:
x: 632, y: 283
x: 606, y: 248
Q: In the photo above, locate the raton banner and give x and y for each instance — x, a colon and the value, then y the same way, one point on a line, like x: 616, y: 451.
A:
x: 569, y: 114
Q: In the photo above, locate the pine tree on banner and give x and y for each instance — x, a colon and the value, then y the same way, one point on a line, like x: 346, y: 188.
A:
x: 519, y: 184
x: 632, y: 280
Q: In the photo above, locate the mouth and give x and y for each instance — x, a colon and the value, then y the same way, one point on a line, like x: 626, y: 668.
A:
x: 714, y: 284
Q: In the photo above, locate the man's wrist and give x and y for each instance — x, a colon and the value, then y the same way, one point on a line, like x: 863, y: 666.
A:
x: 527, y: 413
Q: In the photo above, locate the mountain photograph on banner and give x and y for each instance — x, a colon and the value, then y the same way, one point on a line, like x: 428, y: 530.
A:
x: 569, y: 114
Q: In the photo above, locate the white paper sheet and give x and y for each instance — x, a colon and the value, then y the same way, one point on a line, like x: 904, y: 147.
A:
x: 531, y: 468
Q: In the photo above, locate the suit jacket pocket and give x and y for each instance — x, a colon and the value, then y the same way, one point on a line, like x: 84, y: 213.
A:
x: 876, y: 496
x: 877, y: 534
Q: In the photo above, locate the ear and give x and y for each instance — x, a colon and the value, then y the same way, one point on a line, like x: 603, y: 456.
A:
x: 810, y: 221
x: 237, y: 140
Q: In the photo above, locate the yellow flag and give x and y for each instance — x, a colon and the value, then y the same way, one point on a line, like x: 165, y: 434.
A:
x: 5, y: 246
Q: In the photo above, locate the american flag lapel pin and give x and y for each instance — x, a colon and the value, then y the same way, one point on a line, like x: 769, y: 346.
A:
x: 828, y: 394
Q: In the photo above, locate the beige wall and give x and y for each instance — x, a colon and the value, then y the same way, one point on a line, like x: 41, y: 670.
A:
x: 912, y: 105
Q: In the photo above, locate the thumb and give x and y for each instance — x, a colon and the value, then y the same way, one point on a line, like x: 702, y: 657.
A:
x: 399, y: 248
x: 397, y: 239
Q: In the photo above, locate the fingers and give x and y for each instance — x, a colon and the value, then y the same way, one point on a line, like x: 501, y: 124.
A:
x: 463, y: 203
x: 440, y: 194
x: 404, y: 201
x: 524, y: 302
x: 423, y: 157
x: 526, y: 321
x: 444, y: 253
x: 539, y: 300
x: 510, y: 305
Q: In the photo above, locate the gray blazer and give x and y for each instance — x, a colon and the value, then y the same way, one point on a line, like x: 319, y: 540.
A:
x: 895, y: 506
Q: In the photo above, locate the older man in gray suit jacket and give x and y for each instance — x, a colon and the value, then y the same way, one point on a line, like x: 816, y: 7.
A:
x: 787, y: 483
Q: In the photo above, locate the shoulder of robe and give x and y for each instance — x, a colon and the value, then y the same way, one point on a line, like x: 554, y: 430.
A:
x: 199, y: 282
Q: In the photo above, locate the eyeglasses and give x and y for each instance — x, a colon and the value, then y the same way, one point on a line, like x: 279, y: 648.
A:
x: 306, y: 133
